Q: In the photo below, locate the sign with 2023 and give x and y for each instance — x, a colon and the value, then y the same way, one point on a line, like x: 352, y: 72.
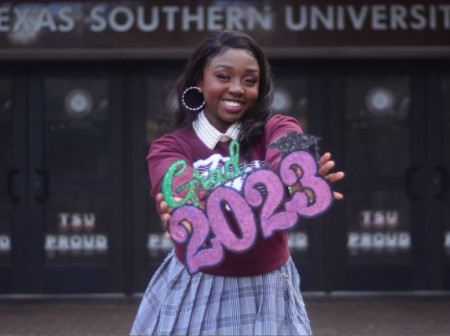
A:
x: 263, y: 205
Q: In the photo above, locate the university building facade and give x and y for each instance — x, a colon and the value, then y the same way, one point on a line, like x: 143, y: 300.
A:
x: 83, y: 88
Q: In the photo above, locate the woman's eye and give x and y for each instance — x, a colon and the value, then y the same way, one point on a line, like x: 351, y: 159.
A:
x: 223, y: 76
x: 251, y: 81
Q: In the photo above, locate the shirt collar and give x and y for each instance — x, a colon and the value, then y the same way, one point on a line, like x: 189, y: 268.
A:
x: 209, y: 135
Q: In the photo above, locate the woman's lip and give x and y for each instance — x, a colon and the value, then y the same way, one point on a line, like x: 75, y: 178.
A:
x: 232, y: 108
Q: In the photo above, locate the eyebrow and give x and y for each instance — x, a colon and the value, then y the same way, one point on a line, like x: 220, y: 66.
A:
x: 231, y: 68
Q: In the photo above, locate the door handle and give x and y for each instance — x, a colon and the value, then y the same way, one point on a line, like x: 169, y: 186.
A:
x: 439, y: 181
x: 41, y: 185
x: 10, y: 185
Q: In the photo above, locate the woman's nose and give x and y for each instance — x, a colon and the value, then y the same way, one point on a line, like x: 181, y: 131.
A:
x: 236, y: 88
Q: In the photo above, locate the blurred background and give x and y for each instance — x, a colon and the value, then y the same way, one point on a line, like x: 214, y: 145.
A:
x: 83, y: 90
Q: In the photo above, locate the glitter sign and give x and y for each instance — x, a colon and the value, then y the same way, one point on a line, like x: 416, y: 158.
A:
x: 263, y: 204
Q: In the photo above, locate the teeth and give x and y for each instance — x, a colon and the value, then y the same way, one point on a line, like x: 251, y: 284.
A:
x: 232, y: 103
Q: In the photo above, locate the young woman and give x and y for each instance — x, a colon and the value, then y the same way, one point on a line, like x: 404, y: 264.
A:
x: 224, y: 94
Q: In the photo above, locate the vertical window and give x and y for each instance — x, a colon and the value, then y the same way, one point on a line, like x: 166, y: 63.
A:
x: 377, y: 149
x: 77, y: 161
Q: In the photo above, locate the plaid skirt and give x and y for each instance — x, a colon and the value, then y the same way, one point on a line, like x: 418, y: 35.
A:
x: 177, y: 303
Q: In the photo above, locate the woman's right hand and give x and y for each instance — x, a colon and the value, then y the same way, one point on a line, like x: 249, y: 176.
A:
x: 165, y: 212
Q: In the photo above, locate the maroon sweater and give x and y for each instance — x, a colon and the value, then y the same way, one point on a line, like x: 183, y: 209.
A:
x: 267, y: 254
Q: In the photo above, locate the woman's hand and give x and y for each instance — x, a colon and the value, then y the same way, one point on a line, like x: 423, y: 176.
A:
x: 325, y: 165
x: 165, y: 212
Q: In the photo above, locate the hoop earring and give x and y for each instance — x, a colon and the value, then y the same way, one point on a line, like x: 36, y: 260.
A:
x: 184, y: 102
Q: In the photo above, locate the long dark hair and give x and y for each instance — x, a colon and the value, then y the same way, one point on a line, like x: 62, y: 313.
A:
x: 215, y: 44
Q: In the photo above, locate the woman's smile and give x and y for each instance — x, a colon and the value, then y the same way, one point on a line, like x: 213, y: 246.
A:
x: 232, y: 106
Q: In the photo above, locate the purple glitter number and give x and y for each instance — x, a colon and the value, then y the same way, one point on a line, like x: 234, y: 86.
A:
x: 313, y: 197
x: 322, y: 195
x: 196, y: 255
x: 271, y: 220
x: 244, y: 219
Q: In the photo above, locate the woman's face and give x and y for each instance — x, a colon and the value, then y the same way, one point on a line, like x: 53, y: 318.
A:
x: 230, y: 85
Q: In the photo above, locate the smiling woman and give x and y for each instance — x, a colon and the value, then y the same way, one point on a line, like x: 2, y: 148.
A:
x: 258, y: 290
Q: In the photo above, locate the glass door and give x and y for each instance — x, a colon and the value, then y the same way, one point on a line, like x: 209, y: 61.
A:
x: 378, y: 164
x: 385, y: 126
x: 76, y: 181
x: 13, y: 251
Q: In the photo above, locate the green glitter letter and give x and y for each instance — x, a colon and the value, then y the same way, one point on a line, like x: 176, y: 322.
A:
x: 234, y: 158
x: 172, y: 172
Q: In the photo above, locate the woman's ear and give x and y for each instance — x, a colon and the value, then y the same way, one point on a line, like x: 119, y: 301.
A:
x: 200, y: 85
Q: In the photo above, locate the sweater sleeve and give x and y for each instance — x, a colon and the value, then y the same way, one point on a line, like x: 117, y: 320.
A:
x: 276, y: 127
x: 163, y: 153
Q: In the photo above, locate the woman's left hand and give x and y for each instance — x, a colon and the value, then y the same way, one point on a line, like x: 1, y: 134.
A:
x: 325, y: 166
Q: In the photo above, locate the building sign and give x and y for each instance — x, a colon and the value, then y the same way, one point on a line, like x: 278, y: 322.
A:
x: 284, y: 27
x: 298, y: 242
x: 77, y: 239
x: 380, y: 236
x: 158, y: 245
x: 379, y: 232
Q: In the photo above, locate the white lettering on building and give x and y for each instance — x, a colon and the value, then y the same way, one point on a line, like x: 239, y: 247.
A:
x: 76, y: 242
x: 76, y: 235
x: 122, y: 18
x: 379, y: 219
x: 35, y: 18
x: 185, y: 18
x: 76, y: 222
x: 157, y: 241
x: 298, y: 241
x: 157, y: 244
x: 193, y: 17
x: 97, y: 20
x: 379, y: 17
x: 379, y: 240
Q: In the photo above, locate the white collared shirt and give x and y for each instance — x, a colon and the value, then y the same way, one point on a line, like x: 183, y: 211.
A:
x: 209, y: 135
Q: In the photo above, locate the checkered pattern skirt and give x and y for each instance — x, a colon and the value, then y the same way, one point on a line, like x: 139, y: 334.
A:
x: 177, y: 303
